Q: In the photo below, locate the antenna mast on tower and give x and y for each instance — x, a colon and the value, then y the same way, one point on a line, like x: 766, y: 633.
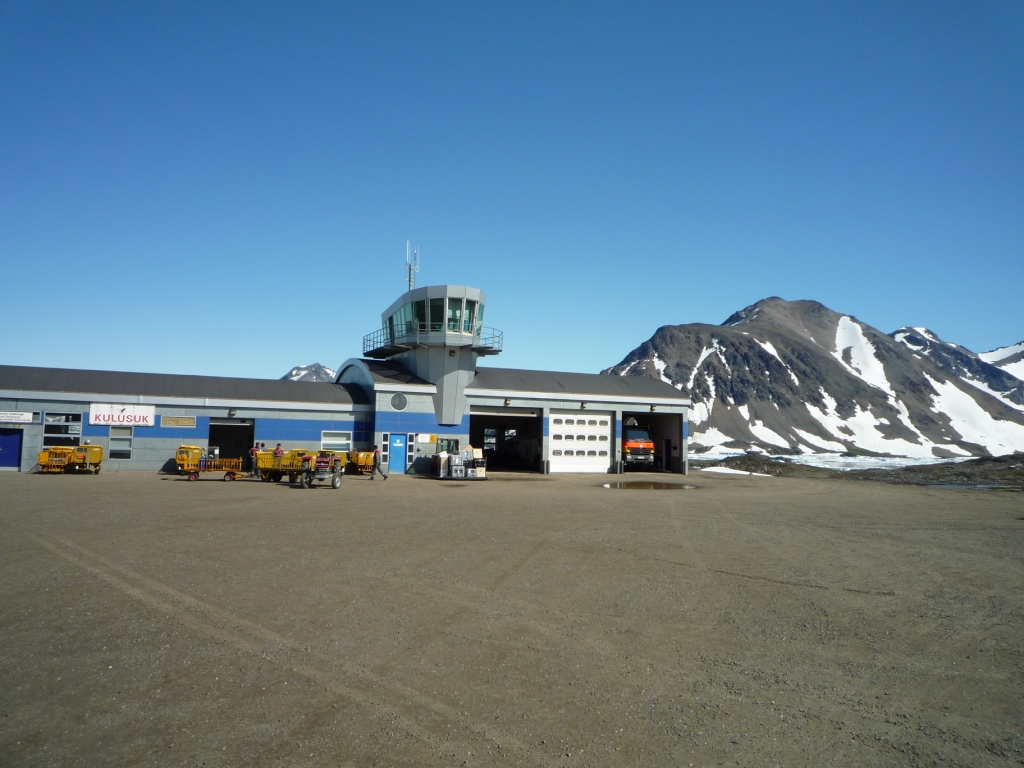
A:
x: 412, y: 263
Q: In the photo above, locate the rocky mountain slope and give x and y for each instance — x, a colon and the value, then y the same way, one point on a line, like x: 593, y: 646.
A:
x: 795, y: 376
x: 314, y: 372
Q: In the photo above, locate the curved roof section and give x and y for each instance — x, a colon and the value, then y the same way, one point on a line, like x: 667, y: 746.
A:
x: 517, y: 380
x: 385, y: 372
x: 26, y: 378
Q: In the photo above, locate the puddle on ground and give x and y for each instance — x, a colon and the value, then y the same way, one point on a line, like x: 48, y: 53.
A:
x: 647, y: 485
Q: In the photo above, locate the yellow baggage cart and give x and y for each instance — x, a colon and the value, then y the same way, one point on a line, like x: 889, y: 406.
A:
x: 71, y: 459
x: 362, y: 460
x: 302, y: 466
x: 273, y: 468
x: 192, y: 460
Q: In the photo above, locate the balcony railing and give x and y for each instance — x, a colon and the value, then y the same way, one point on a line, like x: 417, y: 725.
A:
x: 390, y: 341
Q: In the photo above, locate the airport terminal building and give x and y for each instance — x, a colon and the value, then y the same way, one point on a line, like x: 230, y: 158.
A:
x: 417, y: 387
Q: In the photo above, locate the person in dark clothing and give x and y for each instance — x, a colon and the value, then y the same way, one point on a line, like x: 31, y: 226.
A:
x: 254, y: 470
x: 376, y: 464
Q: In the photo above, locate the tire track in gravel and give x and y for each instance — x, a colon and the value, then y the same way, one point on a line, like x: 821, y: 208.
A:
x: 360, y: 686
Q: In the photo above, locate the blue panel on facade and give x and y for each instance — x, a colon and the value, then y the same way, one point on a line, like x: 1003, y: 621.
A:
x: 309, y: 430
x: 618, y: 429
x: 546, y: 427
x: 94, y: 430
x: 686, y: 429
x: 391, y: 421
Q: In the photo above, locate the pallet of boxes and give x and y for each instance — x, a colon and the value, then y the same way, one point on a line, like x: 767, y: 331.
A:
x: 467, y: 464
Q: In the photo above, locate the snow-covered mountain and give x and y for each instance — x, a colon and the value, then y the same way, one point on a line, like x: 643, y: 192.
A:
x: 314, y: 372
x: 795, y: 376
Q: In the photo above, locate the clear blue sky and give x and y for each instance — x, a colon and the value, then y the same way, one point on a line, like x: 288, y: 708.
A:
x: 227, y: 189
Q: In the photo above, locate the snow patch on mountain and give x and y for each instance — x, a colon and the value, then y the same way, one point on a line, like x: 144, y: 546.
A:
x: 768, y: 347
x: 1015, y: 369
x: 1001, y: 396
x: 819, y: 442
x: 973, y: 423
x: 863, y: 364
x: 700, y: 411
x: 711, y: 436
x: 1002, y: 353
x: 659, y: 364
x: 763, y: 433
x: 862, y: 429
x: 1010, y: 359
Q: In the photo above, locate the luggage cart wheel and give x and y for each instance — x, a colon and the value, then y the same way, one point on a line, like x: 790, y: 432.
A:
x: 228, y: 476
x: 193, y: 476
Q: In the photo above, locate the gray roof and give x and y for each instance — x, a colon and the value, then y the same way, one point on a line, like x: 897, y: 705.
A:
x: 25, y: 378
x: 388, y: 371
x: 517, y: 380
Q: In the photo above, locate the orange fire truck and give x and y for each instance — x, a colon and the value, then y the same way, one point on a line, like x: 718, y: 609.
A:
x: 637, y: 445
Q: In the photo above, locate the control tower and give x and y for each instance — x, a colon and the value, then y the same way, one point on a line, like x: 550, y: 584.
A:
x: 437, y: 332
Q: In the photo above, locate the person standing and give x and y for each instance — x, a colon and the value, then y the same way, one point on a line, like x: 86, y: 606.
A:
x: 376, y: 464
x: 255, y: 470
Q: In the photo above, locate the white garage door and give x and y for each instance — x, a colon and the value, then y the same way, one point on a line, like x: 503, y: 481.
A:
x: 580, y: 441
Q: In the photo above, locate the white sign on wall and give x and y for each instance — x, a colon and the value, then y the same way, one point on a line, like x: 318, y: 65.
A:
x: 116, y: 415
x: 16, y: 417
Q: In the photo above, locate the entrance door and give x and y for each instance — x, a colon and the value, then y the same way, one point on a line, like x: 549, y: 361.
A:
x: 396, y: 458
x: 10, y: 448
x: 666, y: 454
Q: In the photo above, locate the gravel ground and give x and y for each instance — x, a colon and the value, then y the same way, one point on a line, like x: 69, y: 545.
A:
x: 525, y: 620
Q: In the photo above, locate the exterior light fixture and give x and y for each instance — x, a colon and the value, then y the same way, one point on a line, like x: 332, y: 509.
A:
x: 508, y: 401
x: 451, y: 353
x: 232, y: 412
x: 583, y: 406
x: 654, y: 408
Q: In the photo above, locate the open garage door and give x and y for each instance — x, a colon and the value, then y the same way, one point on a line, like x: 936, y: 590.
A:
x: 664, y: 430
x: 511, y: 438
x: 581, y: 441
x: 233, y: 437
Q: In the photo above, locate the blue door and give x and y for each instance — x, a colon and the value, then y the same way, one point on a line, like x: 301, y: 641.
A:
x: 396, y: 456
x: 10, y: 448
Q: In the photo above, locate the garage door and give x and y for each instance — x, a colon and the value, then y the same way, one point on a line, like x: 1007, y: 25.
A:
x: 580, y: 441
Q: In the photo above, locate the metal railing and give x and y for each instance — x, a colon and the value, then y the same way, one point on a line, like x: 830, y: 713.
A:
x: 423, y: 333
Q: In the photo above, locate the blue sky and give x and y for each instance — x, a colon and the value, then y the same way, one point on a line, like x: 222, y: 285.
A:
x: 227, y: 189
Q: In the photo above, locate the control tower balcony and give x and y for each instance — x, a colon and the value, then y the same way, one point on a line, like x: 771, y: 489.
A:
x: 390, y: 341
x: 434, y: 317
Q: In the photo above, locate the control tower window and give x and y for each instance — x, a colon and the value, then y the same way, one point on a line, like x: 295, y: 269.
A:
x: 479, y: 318
x: 454, y: 314
x: 419, y: 311
x: 437, y: 314
x: 467, y: 323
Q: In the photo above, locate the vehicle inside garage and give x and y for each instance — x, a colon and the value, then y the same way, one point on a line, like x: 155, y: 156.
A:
x: 663, y: 429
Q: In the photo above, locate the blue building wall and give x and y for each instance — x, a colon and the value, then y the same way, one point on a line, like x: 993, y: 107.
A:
x: 309, y: 430
x: 405, y: 421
